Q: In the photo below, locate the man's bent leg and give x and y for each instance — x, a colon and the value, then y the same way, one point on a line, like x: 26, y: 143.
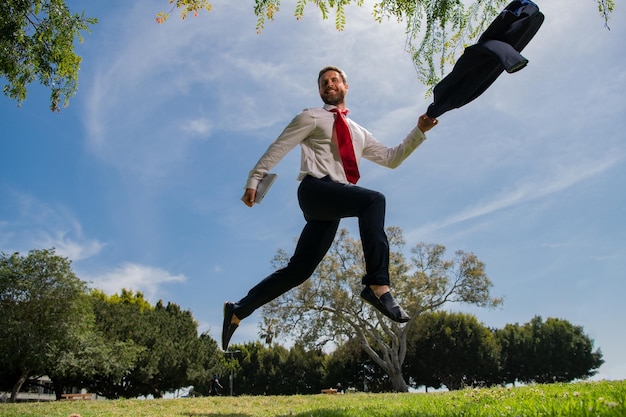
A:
x: 314, y: 242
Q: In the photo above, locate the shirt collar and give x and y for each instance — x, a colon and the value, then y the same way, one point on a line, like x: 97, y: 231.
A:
x: 329, y: 107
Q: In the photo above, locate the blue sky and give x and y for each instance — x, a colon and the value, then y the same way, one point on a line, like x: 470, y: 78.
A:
x: 139, y: 180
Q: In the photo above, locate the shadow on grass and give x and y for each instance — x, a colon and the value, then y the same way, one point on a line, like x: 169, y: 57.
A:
x: 214, y: 415
x: 322, y: 412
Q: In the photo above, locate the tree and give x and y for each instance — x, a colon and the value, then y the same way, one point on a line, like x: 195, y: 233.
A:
x: 303, y: 371
x: 350, y: 365
x: 328, y: 308
x: 172, y: 348
x: 274, y: 370
x: 205, y: 363
x: 120, y: 318
x: 514, y: 344
x: 44, y: 311
x: 258, y: 369
x: 91, y: 360
x: 37, y: 42
x: 168, y: 339
x: 566, y: 352
x: 550, y: 351
x: 266, y: 331
x: 452, y: 349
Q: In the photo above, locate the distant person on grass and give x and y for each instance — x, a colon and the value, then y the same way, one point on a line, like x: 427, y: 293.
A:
x: 331, y: 146
x: 215, y: 385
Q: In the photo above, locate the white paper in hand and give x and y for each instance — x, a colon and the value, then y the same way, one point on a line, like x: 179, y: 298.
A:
x: 264, y: 186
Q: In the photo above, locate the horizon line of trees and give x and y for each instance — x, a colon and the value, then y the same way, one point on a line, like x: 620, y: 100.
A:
x: 120, y: 346
x: 448, y: 350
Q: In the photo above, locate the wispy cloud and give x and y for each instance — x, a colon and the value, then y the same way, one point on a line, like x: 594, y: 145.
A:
x: 200, y: 127
x: 147, y: 279
x: 531, y: 188
x: 35, y: 224
x: 139, y: 116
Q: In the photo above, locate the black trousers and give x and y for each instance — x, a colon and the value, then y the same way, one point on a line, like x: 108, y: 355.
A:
x: 324, y: 203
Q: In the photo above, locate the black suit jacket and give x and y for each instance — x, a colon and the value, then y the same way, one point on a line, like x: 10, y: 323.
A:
x: 498, y: 49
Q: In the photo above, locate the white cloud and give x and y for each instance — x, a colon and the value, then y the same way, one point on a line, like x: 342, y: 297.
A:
x: 198, y: 127
x: 66, y: 246
x: 147, y: 279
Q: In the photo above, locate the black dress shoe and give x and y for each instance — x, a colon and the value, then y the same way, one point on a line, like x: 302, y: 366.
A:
x: 228, y: 328
x: 386, y: 305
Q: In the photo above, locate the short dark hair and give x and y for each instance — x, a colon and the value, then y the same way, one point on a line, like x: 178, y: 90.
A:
x: 332, y: 68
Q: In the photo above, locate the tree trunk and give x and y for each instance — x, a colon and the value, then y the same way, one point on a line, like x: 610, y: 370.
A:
x: 156, y: 393
x: 398, y: 382
x: 18, y: 386
x: 58, y: 389
x: 390, y: 358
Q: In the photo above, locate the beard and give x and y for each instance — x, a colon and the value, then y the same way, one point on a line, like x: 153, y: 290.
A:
x: 334, y: 98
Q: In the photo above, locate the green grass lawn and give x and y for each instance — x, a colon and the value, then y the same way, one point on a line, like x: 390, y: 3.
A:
x: 604, y: 398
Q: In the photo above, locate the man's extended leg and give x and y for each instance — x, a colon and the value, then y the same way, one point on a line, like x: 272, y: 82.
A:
x: 314, y: 242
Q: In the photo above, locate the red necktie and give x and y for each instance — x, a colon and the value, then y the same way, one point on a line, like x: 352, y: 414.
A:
x: 346, y: 149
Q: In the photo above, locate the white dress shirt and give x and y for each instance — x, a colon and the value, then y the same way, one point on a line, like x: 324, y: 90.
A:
x: 312, y: 129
